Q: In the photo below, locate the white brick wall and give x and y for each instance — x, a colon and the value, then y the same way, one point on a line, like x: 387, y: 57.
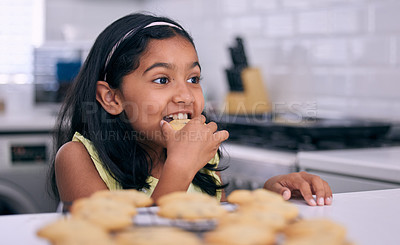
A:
x: 373, y: 51
x: 344, y: 55
x: 386, y: 16
x: 279, y: 25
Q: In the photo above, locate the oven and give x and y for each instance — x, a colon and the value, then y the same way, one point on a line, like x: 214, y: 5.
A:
x: 24, y: 149
x: 25, y: 152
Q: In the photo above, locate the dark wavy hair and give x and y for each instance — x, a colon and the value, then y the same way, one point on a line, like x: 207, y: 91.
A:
x: 124, y: 158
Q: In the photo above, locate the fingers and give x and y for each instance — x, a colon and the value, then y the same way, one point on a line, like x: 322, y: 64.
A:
x: 212, y: 126
x: 284, y: 191
x: 306, y: 192
x: 328, y: 194
x: 210, y: 134
x: 286, y: 194
x: 316, y: 186
x: 273, y: 184
x: 303, y: 183
x: 319, y: 189
x: 166, y: 128
x: 291, y: 185
x: 221, y: 136
x: 217, y: 136
x: 201, y: 119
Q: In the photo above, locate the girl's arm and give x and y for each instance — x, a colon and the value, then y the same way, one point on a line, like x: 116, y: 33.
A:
x: 76, y: 174
x: 173, y: 178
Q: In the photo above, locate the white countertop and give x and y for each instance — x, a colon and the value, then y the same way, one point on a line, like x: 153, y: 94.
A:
x: 377, y: 163
x: 371, y: 218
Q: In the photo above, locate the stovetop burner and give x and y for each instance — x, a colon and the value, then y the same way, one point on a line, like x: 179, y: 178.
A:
x: 307, y: 135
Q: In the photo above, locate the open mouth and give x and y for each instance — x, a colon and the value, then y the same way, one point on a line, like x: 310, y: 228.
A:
x: 171, y: 117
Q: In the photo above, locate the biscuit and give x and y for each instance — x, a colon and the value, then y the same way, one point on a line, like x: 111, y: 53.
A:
x: 189, y: 206
x: 182, y: 196
x: 287, y: 210
x: 316, y: 240
x: 106, y: 213
x: 265, y: 201
x: 271, y: 221
x: 74, y: 231
x: 191, y: 211
x: 240, y: 234
x: 315, y: 228
x: 156, y: 235
x: 242, y: 197
x: 178, y: 124
x: 132, y: 197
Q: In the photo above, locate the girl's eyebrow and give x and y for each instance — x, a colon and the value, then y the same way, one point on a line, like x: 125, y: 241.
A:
x: 158, y: 64
x: 196, y: 64
x: 169, y: 66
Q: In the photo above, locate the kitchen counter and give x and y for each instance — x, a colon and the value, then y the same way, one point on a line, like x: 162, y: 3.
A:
x: 352, y: 170
x: 375, y: 163
x: 370, y: 217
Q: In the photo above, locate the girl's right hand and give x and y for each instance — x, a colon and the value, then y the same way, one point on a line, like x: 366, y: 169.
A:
x: 194, y: 145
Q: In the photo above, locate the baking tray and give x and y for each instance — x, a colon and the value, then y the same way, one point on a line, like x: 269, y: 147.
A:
x: 148, y: 217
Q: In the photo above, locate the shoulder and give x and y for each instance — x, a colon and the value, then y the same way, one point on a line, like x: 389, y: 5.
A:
x: 71, y: 149
x: 72, y: 154
x: 76, y: 174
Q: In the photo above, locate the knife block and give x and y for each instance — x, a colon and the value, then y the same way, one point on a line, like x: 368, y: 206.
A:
x: 253, y: 100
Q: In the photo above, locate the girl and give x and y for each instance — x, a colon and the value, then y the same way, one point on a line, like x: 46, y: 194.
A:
x: 142, y: 72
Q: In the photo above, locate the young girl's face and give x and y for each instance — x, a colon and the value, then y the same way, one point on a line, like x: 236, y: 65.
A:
x: 164, y: 86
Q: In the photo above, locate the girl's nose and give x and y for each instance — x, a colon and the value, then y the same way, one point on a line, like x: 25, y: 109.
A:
x: 183, y: 94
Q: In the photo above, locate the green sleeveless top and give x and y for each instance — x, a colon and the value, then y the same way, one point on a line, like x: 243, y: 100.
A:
x: 112, y: 184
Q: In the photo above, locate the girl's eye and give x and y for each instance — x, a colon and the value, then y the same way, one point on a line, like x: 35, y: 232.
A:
x: 161, y: 80
x: 194, y: 80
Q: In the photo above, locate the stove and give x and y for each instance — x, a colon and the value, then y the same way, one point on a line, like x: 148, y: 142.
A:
x: 309, y: 134
x: 260, y: 147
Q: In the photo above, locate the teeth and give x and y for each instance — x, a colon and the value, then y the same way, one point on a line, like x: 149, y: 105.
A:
x: 178, y: 116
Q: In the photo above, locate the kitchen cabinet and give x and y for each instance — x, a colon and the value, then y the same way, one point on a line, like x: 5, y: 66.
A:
x: 249, y: 167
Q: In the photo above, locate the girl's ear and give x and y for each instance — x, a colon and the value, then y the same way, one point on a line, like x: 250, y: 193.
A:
x: 109, y: 99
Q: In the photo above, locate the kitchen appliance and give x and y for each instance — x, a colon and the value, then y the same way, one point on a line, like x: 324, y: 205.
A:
x: 25, y: 150
x: 262, y: 142
x: 247, y: 94
x: 307, y: 134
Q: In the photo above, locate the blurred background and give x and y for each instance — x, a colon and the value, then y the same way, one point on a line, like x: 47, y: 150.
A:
x: 333, y: 64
